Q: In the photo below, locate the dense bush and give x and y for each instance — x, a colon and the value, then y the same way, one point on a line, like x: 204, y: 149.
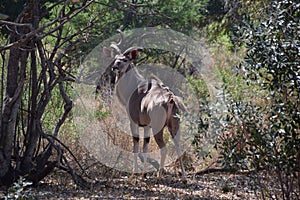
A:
x: 262, y: 130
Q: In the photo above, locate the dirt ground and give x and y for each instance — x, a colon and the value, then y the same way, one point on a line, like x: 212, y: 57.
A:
x: 112, y: 184
x: 209, y: 186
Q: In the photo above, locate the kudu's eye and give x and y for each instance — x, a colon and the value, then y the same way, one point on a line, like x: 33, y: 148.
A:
x: 120, y: 61
x: 125, y: 60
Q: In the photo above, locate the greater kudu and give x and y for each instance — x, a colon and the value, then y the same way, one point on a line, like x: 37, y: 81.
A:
x: 149, y: 104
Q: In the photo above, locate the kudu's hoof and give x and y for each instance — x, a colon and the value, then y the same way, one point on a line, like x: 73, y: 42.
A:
x: 160, y: 173
x: 133, y: 178
x: 184, y: 180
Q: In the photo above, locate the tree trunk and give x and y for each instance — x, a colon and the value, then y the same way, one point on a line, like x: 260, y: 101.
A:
x: 32, y: 72
x: 11, y: 106
x: 16, y: 74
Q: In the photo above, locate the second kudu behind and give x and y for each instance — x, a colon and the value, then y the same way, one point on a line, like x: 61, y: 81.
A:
x: 149, y: 104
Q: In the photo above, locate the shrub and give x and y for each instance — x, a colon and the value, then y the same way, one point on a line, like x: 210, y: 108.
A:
x: 262, y: 131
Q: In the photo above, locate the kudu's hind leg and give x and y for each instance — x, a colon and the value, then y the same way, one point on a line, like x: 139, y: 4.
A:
x: 163, y: 151
x: 179, y: 154
x: 176, y: 139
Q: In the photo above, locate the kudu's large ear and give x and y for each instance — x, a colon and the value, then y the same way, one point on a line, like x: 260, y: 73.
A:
x: 133, y: 54
x: 107, y: 52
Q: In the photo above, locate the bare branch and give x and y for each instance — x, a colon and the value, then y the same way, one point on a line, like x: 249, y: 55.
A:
x: 35, y: 32
x: 67, y: 107
x: 16, y: 24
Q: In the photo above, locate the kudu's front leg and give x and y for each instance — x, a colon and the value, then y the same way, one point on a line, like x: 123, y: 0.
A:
x: 135, y: 136
x: 147, y: 131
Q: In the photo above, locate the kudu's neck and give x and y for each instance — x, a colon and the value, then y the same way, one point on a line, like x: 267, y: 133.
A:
x: 128, y: 83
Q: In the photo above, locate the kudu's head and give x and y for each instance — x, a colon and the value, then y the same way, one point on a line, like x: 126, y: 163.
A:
x: 122, y: 62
